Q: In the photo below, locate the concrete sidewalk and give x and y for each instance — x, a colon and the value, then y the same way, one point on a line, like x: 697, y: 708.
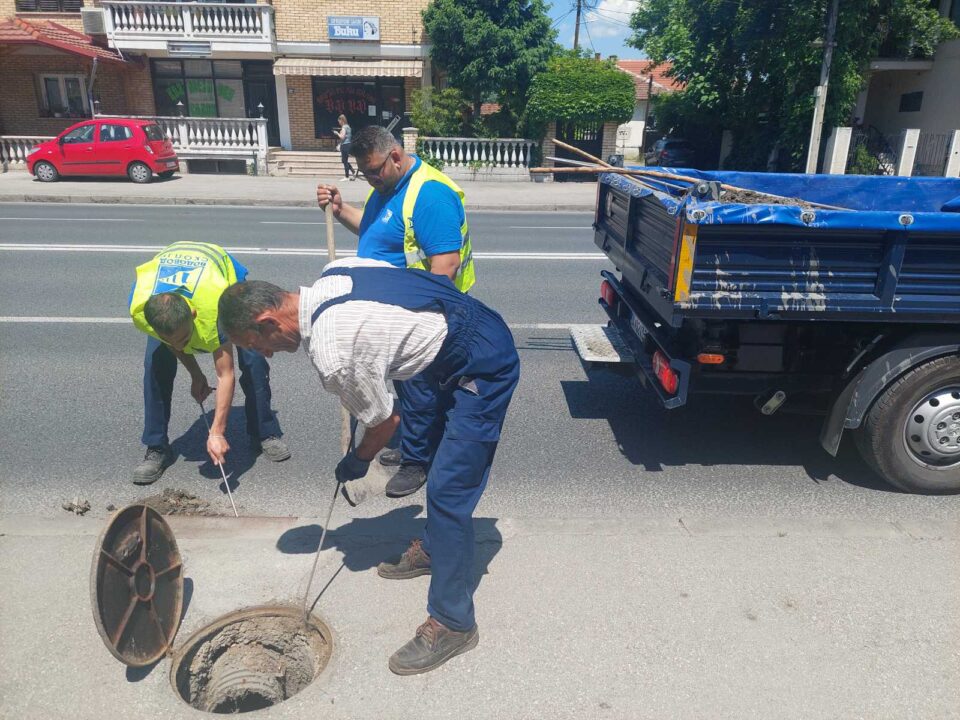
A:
x: 659, y: 617
x: 278, y: 191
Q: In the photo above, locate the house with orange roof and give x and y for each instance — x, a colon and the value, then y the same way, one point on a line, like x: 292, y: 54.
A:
x: 651, y: 79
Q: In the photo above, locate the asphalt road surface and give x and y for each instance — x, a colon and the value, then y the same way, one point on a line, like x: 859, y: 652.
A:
x: 575, y: 445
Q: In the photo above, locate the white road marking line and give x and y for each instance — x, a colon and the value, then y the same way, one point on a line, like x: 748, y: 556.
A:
x: 125, y: 320
x: 289, y: 222
x: 65, y: 247
x: 550, y: 227
x: 46, y: 219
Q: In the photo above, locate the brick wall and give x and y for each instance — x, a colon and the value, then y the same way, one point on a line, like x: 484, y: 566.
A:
x: 21, y: 109
x: 300, y: 106
x: 306, y: 20
x: 609, y: 140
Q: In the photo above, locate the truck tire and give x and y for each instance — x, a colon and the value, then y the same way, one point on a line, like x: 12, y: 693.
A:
x: 911, y: 435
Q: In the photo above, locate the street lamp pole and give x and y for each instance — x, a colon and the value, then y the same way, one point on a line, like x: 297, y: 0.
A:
x: 820, y: 93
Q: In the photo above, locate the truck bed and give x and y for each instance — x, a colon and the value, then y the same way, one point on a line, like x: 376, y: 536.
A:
x: 892, y: 255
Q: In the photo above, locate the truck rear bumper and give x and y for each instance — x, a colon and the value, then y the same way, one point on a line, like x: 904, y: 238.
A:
x: 632, y: 337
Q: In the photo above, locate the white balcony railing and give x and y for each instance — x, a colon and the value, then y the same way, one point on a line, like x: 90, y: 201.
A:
x: 480, y: 152
x: 15, y: 148
x: 131, y: 21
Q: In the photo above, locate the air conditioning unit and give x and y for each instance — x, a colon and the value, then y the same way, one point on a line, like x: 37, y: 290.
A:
x: 93, y: 23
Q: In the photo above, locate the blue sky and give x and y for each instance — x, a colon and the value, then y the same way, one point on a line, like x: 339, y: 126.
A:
x: 604, y: 28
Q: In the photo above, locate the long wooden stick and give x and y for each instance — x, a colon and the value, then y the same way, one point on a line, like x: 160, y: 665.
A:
x: 667, y: 176
x: 331, y: 256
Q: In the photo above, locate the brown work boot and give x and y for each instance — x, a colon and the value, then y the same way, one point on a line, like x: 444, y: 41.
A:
x: 431, y: 647
x: 413, y: 563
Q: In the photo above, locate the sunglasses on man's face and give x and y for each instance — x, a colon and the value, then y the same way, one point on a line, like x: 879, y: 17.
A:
x: 379, y: 170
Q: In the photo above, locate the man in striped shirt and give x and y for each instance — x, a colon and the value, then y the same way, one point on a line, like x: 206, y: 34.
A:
x: 363, y: 324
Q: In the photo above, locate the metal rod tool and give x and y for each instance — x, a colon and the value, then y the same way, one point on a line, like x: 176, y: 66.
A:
x: 203, y: 414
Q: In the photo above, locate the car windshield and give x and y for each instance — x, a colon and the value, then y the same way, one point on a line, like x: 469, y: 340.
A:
x: 153, y: 132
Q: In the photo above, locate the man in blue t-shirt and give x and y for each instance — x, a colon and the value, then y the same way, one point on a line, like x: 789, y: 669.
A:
x: 438, y: 216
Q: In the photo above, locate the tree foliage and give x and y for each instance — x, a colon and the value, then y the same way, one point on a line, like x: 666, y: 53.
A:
x: 581, y: 90
x: 490, y: 48
x: 750, y: 66
x: 441, y: 113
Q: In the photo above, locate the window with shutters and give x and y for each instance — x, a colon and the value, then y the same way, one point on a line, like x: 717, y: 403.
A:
x: 64, y: 96
x: 51, y: 6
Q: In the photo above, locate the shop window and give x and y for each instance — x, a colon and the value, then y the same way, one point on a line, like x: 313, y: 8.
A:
x: 64, y: 96
x: 911, y: 102
x: 49, y: 6
x: 363, y: 102
x: 205, y: 88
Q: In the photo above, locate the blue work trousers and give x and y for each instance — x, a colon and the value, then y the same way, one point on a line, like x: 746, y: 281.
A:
x: 159, y: 371
x: 421, y: 418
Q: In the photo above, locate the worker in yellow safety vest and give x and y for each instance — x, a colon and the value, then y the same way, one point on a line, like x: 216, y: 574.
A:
x: 413, y: 217
x: 174, y: 301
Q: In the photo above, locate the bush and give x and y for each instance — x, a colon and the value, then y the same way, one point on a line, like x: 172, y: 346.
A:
x: 429, y: 159
x: 863, y: 162
x: 580, y: 90
x: 440, y: 113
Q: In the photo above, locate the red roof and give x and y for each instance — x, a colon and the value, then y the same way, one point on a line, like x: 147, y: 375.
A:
x: 644, y: 70
x: 489, y: 108
x: 50, y: 34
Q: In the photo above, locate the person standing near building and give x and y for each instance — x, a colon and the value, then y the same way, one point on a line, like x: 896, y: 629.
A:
x: 345, y: 133
x: 174, y: 301
x: 414, y: 218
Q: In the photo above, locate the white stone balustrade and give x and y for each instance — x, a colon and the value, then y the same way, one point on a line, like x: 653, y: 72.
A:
x: 480, y: 152
x: 150, y: 25
x: 195, y: 138
x: 15, y: 148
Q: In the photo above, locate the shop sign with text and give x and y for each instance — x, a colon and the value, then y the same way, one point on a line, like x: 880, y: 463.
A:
x: 343, y: 27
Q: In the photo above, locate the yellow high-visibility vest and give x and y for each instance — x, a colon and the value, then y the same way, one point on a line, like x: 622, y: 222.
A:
x: 413, y: 253
x: 198, y: 272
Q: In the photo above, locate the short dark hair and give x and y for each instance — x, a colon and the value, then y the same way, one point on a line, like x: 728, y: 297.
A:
x: 167, y: 313
x: 373, y: 139
x: 243, y: 301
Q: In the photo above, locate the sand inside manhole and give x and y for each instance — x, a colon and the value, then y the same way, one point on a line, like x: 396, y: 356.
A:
x: 250, y: 660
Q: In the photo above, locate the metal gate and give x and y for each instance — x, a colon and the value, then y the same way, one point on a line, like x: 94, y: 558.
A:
x: 585, y: 136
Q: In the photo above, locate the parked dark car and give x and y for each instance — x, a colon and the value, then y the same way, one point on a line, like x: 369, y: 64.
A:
x: 115, y: 146
x: 671, y: 152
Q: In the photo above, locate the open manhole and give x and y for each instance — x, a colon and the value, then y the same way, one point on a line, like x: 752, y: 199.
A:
x: 247, y: 660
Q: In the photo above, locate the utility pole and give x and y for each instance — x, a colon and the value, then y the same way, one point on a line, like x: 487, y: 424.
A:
x: 820, y: 93
x: 576, y: 29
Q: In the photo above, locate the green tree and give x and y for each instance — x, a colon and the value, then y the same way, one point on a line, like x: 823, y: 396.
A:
x: 490, y: 48
x: 579, y: 90
x: 440, y: 113
x: 750, y: 66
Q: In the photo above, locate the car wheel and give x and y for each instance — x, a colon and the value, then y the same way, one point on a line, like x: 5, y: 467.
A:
x: 45, y: 172
x: 139, y: 172
x: 911, y: 436
x: 165, y: 174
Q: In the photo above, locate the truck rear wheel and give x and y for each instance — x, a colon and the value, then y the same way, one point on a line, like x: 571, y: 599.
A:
x: 911, y: 435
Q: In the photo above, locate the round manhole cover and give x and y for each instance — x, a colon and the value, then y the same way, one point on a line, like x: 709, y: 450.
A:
x: 250, y: 660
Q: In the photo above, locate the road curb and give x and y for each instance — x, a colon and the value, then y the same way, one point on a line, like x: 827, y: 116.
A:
x: 252, y: 202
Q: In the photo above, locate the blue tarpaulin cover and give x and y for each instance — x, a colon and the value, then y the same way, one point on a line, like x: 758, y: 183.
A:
x: 872, y: 202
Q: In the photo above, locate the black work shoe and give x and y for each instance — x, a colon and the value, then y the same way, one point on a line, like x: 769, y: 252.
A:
x: 413, y: 563
x: 431, y: 647
x: 157, y: 459
x: 273, y: 448
x: 408, y: 480
x: 391, y: 458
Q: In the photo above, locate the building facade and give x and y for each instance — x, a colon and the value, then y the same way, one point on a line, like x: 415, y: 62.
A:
x: 298, y: 63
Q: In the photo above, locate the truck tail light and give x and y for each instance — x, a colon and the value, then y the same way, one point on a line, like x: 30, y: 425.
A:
x: 667, y: 377
x: 608, y: 294
x: 710, y: 359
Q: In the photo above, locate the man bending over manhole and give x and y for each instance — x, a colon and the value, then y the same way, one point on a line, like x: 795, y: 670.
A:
x: 174, y: 301
x: 363, y: 324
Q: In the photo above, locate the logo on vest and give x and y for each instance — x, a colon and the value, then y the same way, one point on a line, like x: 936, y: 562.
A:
x: 178, y: 275
x: 387, y: 214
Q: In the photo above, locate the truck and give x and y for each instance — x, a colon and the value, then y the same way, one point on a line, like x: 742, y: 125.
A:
x: 829, y: 294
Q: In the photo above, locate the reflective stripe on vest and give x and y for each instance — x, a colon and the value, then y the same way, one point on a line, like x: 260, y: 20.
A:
x: 199, y: 273
x: 415, y: 257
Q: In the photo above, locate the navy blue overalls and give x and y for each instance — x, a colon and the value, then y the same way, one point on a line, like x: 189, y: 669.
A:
x: 477, y: 369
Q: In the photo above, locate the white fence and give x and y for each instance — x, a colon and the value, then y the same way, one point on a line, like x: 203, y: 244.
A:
x: 478, y: 152
x: 190, y: 20
x: 196, y: 138
x: 910, y: 153
x: 15, y: 148
x: 193, y: 138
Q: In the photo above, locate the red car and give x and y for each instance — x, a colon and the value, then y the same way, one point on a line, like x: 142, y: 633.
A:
x: 138, y: 149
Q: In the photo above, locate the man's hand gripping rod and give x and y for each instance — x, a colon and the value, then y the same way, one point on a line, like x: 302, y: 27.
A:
x: 203, y: 414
